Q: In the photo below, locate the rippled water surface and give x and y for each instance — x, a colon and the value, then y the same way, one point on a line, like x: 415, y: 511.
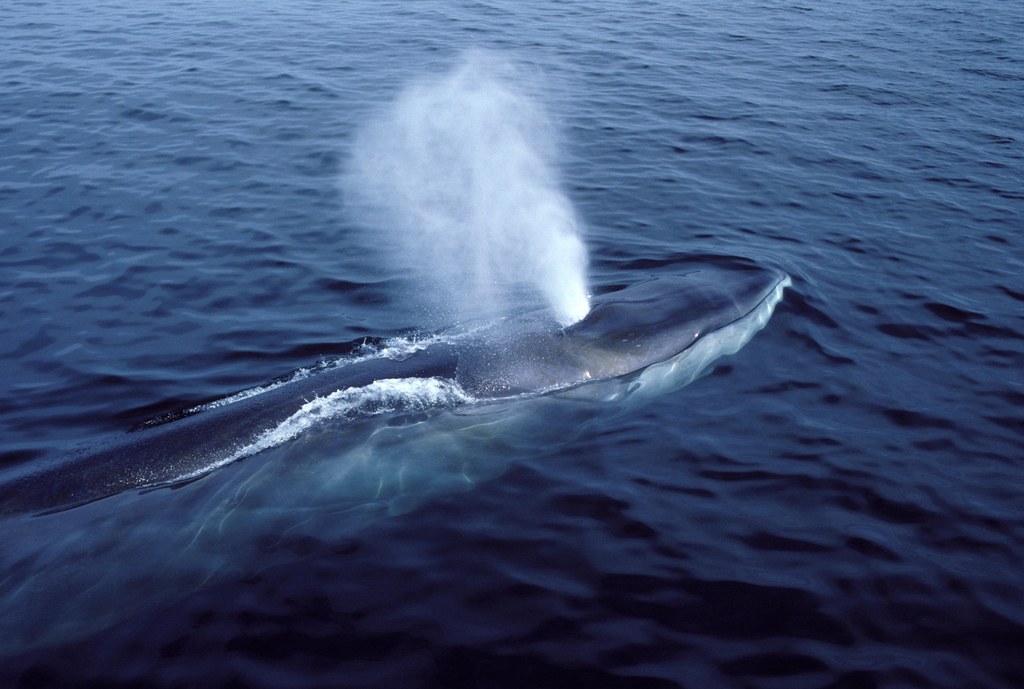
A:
x: 838, y: 505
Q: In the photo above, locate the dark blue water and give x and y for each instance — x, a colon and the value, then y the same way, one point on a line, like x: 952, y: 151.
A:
x: 839, y: 504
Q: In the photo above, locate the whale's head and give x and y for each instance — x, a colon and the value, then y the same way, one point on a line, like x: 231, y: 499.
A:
x: 708, y: 308
x: 656, y: 319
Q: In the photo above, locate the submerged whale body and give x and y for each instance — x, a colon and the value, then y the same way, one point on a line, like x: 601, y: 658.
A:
x: 659, y: 333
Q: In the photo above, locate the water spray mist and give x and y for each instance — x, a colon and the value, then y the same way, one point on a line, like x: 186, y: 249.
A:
x: 456, y: 181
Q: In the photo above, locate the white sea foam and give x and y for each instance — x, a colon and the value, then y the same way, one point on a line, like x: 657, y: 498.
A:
x: 395, y: 348
x: 380, y: 397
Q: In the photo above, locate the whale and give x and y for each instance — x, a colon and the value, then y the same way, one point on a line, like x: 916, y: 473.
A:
x: 654, y: 334
x: 225, y: 490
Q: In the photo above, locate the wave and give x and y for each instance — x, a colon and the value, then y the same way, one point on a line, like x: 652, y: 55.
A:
x: 380, y: 397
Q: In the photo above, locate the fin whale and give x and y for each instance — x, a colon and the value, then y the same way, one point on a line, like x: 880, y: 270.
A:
x: 663, y: 324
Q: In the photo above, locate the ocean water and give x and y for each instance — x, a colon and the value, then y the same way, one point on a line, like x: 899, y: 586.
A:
x: 839, y: 504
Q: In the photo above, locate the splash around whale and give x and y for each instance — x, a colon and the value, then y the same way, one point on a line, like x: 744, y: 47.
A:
x: 638, y: 340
